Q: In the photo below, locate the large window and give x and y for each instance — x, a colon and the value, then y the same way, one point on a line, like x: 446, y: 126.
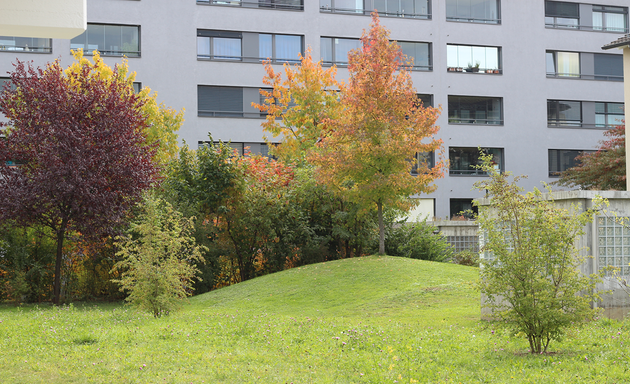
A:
x: 463, y: 160
x: 248, y: 46
x: 563, y: 64
x: 564, y: 113
x: 242, y: 148
x: 109, y: 40
x: 464, y: 208
x: 475, y: 110
x: 25, y: 44
x: 562, y: 159
x: 473, y: 59
x: 296, y: 5
x: 394, y: 8
x: 334, y: 50
x: 608, y: 115
x: 221, y: 101
x: 422, y: 162
x: 562, y: 14
x: 419, y: 52
x: 476, y: 11
x: 569, y: 65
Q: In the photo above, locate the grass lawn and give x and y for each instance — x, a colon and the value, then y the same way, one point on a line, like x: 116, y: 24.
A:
x: 362, y: 320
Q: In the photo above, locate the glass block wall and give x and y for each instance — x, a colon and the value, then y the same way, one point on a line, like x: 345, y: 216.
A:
x: 613, y: 241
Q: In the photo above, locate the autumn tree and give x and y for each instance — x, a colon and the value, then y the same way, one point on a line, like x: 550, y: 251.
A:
x: 601, y: 170
x: 82, y: 147
x: 163, y: 122
x: 297, y: 106
x: 368, y: 149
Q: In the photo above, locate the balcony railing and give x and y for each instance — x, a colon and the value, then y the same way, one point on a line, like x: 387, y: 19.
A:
x: 359, y: 11
x: 562, y: 75
x: 289, y: 5
x: 246, y: 59
x: 473, y: 20
x: 468, y: 120
x: 345, y: 64
x: 495, y: 71
x: 586, y: 28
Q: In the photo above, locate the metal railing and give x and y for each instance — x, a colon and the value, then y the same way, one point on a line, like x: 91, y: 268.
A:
x: 344, y: 64
x: 254, y: 4
x: 495, y: 71
x: 586, y: 28
x: 582, y: 76
x: 367, y: 12
x: 246, y: 59
x: 461, y: 120
x: 473, y: 20
x: 25, y: 48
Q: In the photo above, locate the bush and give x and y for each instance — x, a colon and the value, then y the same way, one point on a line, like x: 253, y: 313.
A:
x: 529, y: 273
x: 417, y: 241
x: 158, y: 254
x: 466, y: 257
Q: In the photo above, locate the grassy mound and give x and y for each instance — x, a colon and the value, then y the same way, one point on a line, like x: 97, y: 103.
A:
x: 364, y: 320
x: 392, y: 287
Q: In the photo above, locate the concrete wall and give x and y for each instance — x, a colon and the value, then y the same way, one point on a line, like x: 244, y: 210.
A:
x: 615, y: 299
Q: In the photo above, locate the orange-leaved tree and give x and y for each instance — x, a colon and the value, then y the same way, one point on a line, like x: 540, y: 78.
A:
x: 297, y: 106
x: 367, y: 151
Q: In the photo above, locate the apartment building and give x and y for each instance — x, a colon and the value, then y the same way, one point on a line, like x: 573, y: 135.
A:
x: 527, y: 81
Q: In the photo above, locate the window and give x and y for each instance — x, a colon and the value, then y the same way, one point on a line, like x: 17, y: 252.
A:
x: 221, y: 101
x: 463, y: 160
x: 219, y: 45
x: 243, y: 148
x: 419, y: 52
x: 425, y: 99
x: 137, y: 86
x: 248, y: 46
x: 610, y: 19
x: 562, y: 159
x: 563, y: 64
x: 475, y: 110
x: 569, y: 65
x: 473, y: 59
x: 419, y: 9
x: 564, y: 113
x: 608, y: 115
x: 25, y: 44
x: 562, y: 14
x: 462, y: 208
x: 109, y: 40
x: 608, y: 67
x: 334, y: 50
x: 296, y: 5
x: 422, y: 160
x: 476, y: 11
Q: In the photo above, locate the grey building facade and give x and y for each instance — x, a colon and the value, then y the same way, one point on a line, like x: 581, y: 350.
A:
x: 526, y: 80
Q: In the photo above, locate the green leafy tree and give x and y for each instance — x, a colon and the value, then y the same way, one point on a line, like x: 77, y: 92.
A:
x: 367, y: 150
x: 158, y: 258
x: 604, y: 169
x: 530, y: 270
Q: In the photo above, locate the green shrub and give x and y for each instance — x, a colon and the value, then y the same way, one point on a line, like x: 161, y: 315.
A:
x: 417, y: 241
x: 466, y: 257
x: 158, y: 257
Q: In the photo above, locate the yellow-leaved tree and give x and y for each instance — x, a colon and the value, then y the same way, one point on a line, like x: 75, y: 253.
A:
x: 163, y: 121
x: 368, y: 149
x: 297, y: 106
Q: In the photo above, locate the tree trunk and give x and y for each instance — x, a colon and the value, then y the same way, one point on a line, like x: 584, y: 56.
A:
x: 61, y: 234
x: 381, y: 229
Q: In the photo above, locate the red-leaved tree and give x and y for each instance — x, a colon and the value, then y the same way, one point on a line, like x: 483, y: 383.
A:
x: 601, y: 170
x: 79, y: 144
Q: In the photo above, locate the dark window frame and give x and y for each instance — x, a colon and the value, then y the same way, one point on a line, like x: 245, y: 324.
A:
x: 282, y: 5
x: 554, y: 108
x: 493, y: 21
x: 458, y: 119
x: 21, y: 45
x: 104, y: 52
x: 329, y: 6
x: 466, y: 167
x: 555, y: 158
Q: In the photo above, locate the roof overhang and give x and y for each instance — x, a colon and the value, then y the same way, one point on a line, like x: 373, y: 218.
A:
x: 56, y: 19
x: 619, y: 43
